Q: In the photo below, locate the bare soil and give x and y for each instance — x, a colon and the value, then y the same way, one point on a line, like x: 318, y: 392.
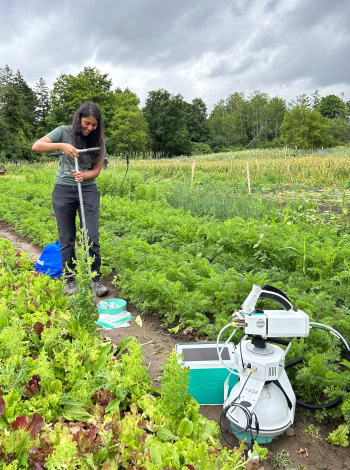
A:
x: 304, y: 451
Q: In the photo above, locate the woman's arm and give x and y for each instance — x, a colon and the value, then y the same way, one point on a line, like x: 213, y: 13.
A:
x: 89, y: 175
x: 45, y: 144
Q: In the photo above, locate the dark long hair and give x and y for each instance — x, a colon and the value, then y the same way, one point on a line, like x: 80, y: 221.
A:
x: 95, y: 139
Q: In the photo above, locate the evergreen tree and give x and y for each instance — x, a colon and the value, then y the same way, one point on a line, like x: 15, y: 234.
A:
x: 17, y: 107
x: 43, y: 106
x: 316, y: 99
x: 7, y: 143
x: 29, y: 96
x: 6, y: 77
x: 300, y: 100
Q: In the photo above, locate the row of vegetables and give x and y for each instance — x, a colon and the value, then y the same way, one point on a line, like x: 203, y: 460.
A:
x: 70, y: 400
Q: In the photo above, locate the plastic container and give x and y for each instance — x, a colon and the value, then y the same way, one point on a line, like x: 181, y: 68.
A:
x: 114, y: 321
x: 111, y: 306
x: 207, y: 375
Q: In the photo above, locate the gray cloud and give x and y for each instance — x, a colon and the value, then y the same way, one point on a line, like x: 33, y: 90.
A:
x: 196, y: 48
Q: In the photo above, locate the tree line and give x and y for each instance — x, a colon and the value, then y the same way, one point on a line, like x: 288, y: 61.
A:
x: 166, y: 125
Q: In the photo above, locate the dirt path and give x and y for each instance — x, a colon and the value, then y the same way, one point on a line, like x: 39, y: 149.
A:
x: 305, y: 452
x: 156, y: 342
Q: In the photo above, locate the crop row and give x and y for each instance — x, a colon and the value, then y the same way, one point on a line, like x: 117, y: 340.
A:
x: 196, y: 271
x: 263, y: 168
x: 70, y: 400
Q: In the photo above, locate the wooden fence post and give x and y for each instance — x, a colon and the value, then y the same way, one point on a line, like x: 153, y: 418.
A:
x: 248, y: 176
x: 193, y: 168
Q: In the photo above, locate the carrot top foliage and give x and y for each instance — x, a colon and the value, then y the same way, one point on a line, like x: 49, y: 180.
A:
x: 188, y: 244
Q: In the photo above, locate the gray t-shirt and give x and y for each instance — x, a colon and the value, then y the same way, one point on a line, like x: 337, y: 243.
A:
x: 64, y: 173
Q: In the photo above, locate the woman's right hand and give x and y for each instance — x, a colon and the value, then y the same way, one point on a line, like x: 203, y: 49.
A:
x: 69, y: 150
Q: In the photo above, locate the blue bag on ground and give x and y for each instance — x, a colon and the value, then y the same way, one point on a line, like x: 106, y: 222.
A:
x: 50, y: 262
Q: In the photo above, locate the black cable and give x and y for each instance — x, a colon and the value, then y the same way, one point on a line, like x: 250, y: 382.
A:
x: 310, y: 406
x: 293, y: 363
x: 245, y: 383
x: 240, y: 349
x: 249, y: 416
x: 121, y: 184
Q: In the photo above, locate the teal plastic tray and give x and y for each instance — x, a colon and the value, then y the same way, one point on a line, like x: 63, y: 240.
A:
x: 109, y: 307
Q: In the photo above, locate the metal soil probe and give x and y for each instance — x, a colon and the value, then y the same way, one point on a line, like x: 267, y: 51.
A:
x: 93, y: 149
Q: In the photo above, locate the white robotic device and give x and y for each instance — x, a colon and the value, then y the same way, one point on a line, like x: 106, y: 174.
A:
x: 263, y: 401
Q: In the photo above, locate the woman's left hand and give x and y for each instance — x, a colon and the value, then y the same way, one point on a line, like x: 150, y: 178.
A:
x: 78, y: 176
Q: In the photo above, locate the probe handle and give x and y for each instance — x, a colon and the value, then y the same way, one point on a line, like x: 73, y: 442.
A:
x: 92, y: 149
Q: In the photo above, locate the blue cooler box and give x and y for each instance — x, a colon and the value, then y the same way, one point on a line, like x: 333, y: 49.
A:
x: 207, y: 374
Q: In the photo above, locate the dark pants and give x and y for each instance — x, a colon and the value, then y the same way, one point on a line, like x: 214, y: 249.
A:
x: 65, y: 201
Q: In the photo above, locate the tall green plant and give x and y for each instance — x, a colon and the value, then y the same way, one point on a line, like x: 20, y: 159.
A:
x: 175, y: 399
x: 84, y: 312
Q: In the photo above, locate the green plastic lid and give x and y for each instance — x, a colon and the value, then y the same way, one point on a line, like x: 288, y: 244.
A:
x: 111, y: 306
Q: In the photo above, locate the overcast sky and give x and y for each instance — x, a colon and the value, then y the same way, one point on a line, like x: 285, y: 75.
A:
x: 199, y: 48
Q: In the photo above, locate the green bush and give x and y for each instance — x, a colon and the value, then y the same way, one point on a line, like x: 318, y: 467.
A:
x: 200, y: 148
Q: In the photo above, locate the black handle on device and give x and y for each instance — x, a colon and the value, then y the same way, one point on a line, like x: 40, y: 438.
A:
x: 271, y: 292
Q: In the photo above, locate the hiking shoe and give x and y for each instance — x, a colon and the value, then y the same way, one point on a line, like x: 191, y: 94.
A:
x: 100, y: 289
x: 71, y: 287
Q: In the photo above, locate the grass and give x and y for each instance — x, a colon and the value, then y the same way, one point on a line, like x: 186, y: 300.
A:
x: 221, y: 204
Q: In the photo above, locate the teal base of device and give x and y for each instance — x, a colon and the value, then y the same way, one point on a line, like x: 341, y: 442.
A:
x: 207, y: 385
x: 260, y: 439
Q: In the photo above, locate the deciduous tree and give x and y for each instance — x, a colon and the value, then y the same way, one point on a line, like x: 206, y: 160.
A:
x: 305, y: 128
x: 225, y: 126
x: 196, y: 120
x: 70, y: 91
x: 128, y: 128
x: 166, y: 117
x: 331, y: 106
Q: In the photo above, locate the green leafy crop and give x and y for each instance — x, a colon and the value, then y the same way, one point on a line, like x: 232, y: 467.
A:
x: 339, y: 437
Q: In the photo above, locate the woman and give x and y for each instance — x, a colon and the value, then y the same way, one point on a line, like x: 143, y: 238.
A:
x: 86, y: 131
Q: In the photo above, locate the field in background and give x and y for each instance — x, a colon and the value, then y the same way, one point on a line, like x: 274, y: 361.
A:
x: 185, y: 239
